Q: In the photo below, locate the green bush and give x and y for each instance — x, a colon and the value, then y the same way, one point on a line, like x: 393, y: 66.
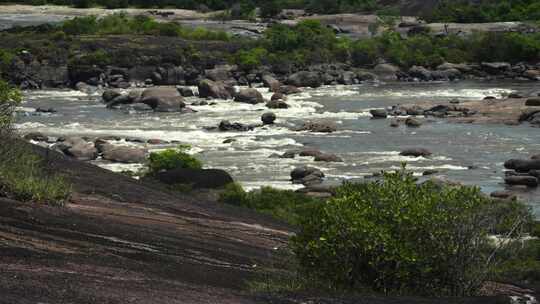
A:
x: 521, y: 265
x: 398, y: 237
x: 171, y: 159
x: 464, y: 11
x: 283, y: 204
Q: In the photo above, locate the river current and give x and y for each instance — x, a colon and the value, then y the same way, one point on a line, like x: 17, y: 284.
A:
x: 469, y: 153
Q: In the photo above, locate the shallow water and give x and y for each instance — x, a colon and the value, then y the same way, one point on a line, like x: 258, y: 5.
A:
x: 366, y: 145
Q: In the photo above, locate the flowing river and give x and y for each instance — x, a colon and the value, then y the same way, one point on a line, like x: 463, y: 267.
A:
x: 469, y: 153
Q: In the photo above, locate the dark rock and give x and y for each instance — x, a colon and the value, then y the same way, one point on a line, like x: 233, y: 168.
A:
x: 305, y: 79
x: 289, y: 154
x: 503, y: 195
x: 225, y: 126
x: 515, y: 95
x: 277, y: 104
x: 220, y: 73
x: 229, y: 141
x: 163, y: 99
x: 307, y: 175
x: 413, y: 122
x: 533, y: 102
x: 268, y: 118
x: 46, y: 110
x: 495, y: 67
x: 522, y: 165
x: 209, y: 88
x: 394, y: 123
x: 278, y: 96
x: 529, y: 181
x: 379, y: 113
x: 416, y: 152
x: 185, y: 92
x: 318, y: 127
x: 123, y: 154
x: 429, y: 172
x: 347, y: 78
x: 80, y: 149
x: 324, y: 157
x: 489, y: 98
x: 251, y: 96
x: 309, y: 152
x: 196, y: 178
x: 119, y: 100
x: 109, y: 95
x: 420, y: 73
x: 156, y: 141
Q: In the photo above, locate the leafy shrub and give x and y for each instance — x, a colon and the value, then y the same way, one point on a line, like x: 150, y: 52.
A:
x: 283, y: 204
x: 464, y: 11
x: 171, y: 159
x: 521, y: 265
x: 253, y: 58
x: 398, y: 237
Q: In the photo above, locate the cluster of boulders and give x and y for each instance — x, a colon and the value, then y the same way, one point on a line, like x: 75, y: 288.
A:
x: 450, y: 71
x: 525, y: 172
x: 318, y: 127
x: 162, y: 99
x: 532, y: 115
x: 316, y: 154
x: 307, y: 176
x: 86, y: 149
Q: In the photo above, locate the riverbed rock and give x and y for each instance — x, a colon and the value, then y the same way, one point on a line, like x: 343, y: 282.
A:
x: 251, y: 96
x: 226, y: 125
x: 289, y: 89
x: 378, y: 113
x: 522, y: 165
x: 124, y: 154
x: 213, y: 89
x: 532, y: 74
x: 413, y: 122
x: 80, y: 149
x: 420, y: 72
x: 36, y: 136
x: 185, y: 91
x: 496, y: 67
x: 318, y: 127
x: 196, y: 178
x: 415, y: 152
x: 533, y: 102
x: 268, y: 118
x: 109, y: 95
x: 305, y: 79
x: 307, y: 175
x: 328, y: 157
x: 119, y: 100
x: 503, y: 194
x: 529, y: 181
x: 271, y: 83
x: 277, y: 104
x: 278, y: 96
x: 163, y: 99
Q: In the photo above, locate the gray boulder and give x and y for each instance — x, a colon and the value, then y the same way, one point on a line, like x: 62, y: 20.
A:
x: 251, y: 96
x: 270, y: 82
x: 318, y: 127
x: 212, y: 89
x: 307, y: 175
x: 378, y: 113
x: 413, y: 122
x: 124, y: 154
x: 305, y: 79
x: 79, y: 148
x: 163, y: 99
x: 268, y: 118
x: 277, y: 104
x: 529, y: 181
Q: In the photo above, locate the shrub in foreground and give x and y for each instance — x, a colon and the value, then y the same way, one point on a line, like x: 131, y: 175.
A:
x: 397, y: 237
x: 171, y: 159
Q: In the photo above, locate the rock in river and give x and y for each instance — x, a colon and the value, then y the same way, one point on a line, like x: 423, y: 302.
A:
x: 251, y: 96
x: 124, y: 154
x: 416, y: 152
x: 163, y: 99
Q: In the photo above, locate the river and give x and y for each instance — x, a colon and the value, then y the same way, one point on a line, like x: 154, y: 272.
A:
x: 469, y: 153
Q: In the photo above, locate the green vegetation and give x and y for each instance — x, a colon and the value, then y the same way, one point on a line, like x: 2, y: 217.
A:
x: 465, y: 11
x: 283, y: 204
x: 120, y: 23
x: 23, y: 175
x: 397, y: 237
x: 521, y: 265
x: 172, y: 159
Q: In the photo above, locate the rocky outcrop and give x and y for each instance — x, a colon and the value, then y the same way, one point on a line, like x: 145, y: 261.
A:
x: 163, y: 99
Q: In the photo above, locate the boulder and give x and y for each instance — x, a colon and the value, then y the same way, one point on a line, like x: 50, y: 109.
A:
x: 226, y: 125
x: 268, y: 118
x: 271, y: 83
x: 278, y: 96
x: 163, y: 99
x: 413, y: 122
x: 421, y: 73
x: 251, y: 96
x: 502, y: 194
x: 386, y: 69
x: 196, y: 178
x: 124, y: 154
x: 277, y: 104
x: 347, y: 78
x: 309, y: 152
x: 185, y: 91
x: 533, y: 102
x: 212, y: 89
x: 522, y: 165
x: 119, y: 100
x: 305, y: 79
x: 532, y: 74
x: 220, y: 73
x: 327, y: 157
x: 318, y: 127
x: 415, y: 152
x: 529, y: 181
x: 378, y: 113
x: 79, y: 148
x: 109, y: 95
x: 307, y: 175
x: 496, y: 67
